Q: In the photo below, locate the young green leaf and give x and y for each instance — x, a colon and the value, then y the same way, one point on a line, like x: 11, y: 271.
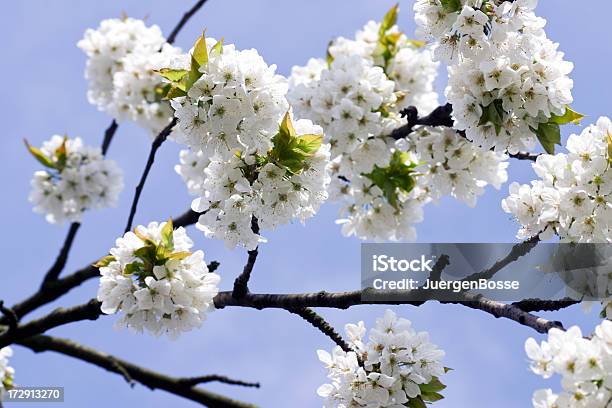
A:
x: 396, y: 177
x: 61, y: 155
x: 493, y: 114
x: 451, y: 6
x: 200, y: 53
x: 167, y: 235
x: 609, y: 140
x: 40, y: 156
x: 416, y: 403
x: 133, y: 268
x: 328, y: 56
x: 179, y: 255
x: 286, y: 125
x: 389, y: 19
x: 570, y: 116
x: 173, y: 75
x: 309, y: 144
x: 549, y: 135
x: 105, y: 261
x: 217, y: 49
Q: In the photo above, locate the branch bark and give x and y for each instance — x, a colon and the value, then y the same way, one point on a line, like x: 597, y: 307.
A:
x: 190, y: 13
x: 241, y: 283
x: 60, y: 262
x: 157, y: 142
x: 146, y: 377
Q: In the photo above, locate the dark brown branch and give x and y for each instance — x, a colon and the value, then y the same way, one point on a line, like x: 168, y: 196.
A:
x: 323, y: 326
x: 184, y: 20
x: 157, y: 142
x: 539, y: 305
x: 344, y: 300
x: 109, y: 133
x: 10, y: 315
x: 519, y: 250
x: 192, y: 381
x: 441, y: 116
x: 189, y: 217
x: 241, y: 283
x: 57, y: 267
x: 146, y: 377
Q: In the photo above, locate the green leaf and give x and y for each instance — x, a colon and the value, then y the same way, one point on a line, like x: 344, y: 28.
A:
x: 105, y: 261
x: 61, y: 155
x: 40, y: 156
x: 493, y: 114
x: 179, y: 255
x: 175, y: 92
x: 416, y: 403
x: 328, y: 56
x: 416, y: 43
x: 396, y: 177
x: 549, y: 135
x: 167, y: 235
x: 570, y: 116
x: 389, y: 19
x: 173, y: 75
x: 431, y: 396
x: 147, y: 253
x: 217, y: 49
x: 434, y: 385
x: 200, y: 53
x: 286, y: 125
x: 291, y: 151
x: 143, y: 238
x: 133, y: 268
x: 451, y: 6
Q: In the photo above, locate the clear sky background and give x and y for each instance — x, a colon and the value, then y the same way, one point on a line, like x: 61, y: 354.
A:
x: 45, y: 93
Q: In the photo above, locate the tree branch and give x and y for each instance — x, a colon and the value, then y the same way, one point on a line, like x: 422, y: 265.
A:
x: 146, y: 377
x: 323, y: 326
x: 57, y: 267
x: 242, y: 281
x: 10, y: 316
x: 539, y: 305
x: 109, y: 133
x: 184, y: 20
x: 157, y: 142
x: 192, y: 381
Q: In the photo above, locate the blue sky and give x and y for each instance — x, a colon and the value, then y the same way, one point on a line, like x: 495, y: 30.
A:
x: 42, y: 73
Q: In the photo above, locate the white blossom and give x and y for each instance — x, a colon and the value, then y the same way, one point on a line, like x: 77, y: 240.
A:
x: 395, y: 366
x: 584, y: 364
x: 505, y: 76
x: 154, y: 280
x: 236, y: 191
x: 572, y: 198
x: 76, y: 178
x: 7, y: 373
x: 237, y: 102
x: 123, y: 55
x: 191, y: 169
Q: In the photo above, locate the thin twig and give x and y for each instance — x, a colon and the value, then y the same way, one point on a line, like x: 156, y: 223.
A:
x: 146, y: 377
x: 157, y: 142
x: 184, y: 20
x: 109, y: 133
x: 324, y: 327
x: 241, y: 283
x: 192, y: 381
x: 60, y: 262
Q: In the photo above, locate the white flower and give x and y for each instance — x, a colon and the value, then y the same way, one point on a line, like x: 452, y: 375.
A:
x: 387, y: 371
x: 76, y: 178
x: 573, y: 198
x: 153, y: 279
x: 505, y: 76
x: 123, y: 55
x: 7, y: 373
x: 237, y: 190
x: 584, y: 364
x: 235, y: 105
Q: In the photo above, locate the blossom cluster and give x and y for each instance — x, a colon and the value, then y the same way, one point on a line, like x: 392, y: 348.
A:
x: 251, y: 167
x: 76, y: 178
x: 268, y: 191
x: 584, y: 364
x: 153, y: 279
x: 573, y: 197
x: 508, y: 83
x: 451, y: 165
x: 394, y: 367
x: 235, y: 102
x: 6, y: 372
x: 356, y: 95
x: 123, y: 55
